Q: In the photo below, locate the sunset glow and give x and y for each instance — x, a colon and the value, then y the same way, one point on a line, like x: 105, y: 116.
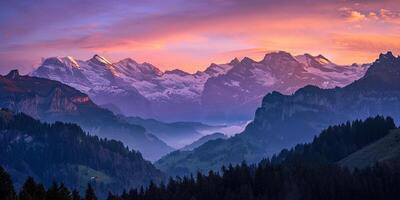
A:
x: 192, y: 34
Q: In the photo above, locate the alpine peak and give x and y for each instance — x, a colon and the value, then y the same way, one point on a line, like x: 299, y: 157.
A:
x: 277, y: 55
x: 386, y: 56
x: 235, y: 61
x: 100, y: 59
x: 13, y: 74
x: 247, y: 60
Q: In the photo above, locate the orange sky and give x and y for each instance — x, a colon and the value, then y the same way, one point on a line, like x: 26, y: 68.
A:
x: 191, y: 34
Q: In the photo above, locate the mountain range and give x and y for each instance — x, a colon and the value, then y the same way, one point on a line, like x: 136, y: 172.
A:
x: 223, y: 92
x: 285, y: 120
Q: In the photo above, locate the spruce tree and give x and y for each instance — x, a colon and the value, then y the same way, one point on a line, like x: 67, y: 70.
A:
x: 52, y: 192
x: 32, y: 191
x: 63, y: 193
x: 90, y: 194
x: 58, y: 192
x: 7, y: 191
x: 76, y: 195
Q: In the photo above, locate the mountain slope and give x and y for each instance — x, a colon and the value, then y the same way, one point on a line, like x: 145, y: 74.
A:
x: 337, y: 142
x: 203, y: 140
x: 385, y: 150
x: 53, y: 101
x: 64, y: 153
x: 282, y: 121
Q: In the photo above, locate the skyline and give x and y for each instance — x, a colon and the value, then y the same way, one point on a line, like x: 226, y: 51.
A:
x: 191, y: 35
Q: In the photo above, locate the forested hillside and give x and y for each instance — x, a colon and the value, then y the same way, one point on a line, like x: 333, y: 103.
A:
x: 337, y: 142
x: 308, y: 171
x: 62, y: 152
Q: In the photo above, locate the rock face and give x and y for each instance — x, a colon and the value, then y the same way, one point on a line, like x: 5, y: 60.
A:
x: 285, y: 120
x: 50, y: 100
x: 222, y: 91
x: 377, y: 93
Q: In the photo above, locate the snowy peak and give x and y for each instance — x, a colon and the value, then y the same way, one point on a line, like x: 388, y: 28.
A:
x: 216, y: 70
x: 313, y: 61
x: 177, y: 72
x: 131, y: 67
x: 99, y: 60
x: 13, y: 74
x: 60, y: 61
x: 235, y: 61
x: 321, y: 59
x: 278, y: 56
x: 247, y: 61
x: 128, y: 61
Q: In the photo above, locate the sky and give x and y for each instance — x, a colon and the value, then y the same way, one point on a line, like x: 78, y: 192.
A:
x: 191, y: 34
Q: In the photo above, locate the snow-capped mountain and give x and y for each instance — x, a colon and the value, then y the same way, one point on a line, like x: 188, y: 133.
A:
x: 144, y: 90
x: 248, y: 81
x: 96, y: 77
x: 135, y: 88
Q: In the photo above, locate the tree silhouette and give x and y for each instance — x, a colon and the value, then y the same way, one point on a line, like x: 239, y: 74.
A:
x: 7, y: 191
x: 90, y: 194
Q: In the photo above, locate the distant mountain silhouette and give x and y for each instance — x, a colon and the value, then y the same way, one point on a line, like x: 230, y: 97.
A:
x: 203, y: 140
x: 175, y: 134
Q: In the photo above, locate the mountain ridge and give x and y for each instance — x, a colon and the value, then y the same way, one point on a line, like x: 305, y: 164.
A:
x: 189, y: 96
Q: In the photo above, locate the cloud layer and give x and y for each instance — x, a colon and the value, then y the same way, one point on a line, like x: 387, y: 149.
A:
x: 191, y: 34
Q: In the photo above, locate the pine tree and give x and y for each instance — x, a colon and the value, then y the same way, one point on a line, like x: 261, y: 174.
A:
x: 52, y: 192
x: 32, y: 191
x: 64, y: 193
x: 111, y: 196
x: 90, y: 194
x: 7, y: 191
x: 75, y: 195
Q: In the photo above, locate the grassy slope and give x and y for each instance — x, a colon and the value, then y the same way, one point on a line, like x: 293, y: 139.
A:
x: 385, y: 149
